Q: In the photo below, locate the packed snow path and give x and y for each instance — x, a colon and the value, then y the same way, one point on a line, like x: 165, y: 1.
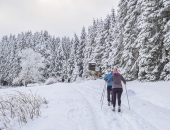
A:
x: 77, y: 106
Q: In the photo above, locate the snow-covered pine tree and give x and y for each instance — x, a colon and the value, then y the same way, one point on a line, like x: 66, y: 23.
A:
x: 1, y: 63
x: 66, y: 46
x: 148, y: 40
x: 76, y: 46
x: 28, y: 39
x: 90, y: 46
x: 98, y: 45
x: 21, y: 41
x: 52, y: 49
x: 55, y: 58
x: 4, y: 50
x: 57, y: 64
x: 43, y: 46
x: 91, y: 40
x: 71, y: 60
x: 80, y: 51
x: 129, y: 55
x: 165, y: 13
x: 14, y: 60
x: 118, y: 45
x: 110, y: 39
x: 59, y: 60
x: 112, y: 25
x: 106, y: 43
x: 8, y: 61
x: 9, y: 56
x: 87, y: 52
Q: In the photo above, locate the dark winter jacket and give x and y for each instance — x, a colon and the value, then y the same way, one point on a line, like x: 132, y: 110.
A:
x: 117, y: 78
x: 107, y: 77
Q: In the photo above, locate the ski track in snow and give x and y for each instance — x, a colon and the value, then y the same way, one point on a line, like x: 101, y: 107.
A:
x: 155, y: 116
x: 88, y: 107
x: 78, y: 115
x: 129, y: 119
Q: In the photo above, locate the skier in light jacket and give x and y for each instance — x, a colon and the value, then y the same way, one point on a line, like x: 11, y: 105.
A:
x: 117, y: 87
x: 109, y: 87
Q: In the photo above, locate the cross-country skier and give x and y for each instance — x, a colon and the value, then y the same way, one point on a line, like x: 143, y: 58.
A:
x: 117, y: 87
x: 109, y: 86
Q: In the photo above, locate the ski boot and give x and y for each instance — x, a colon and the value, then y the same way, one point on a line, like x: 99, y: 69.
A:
x: 119, y: 109
x: 113, y: 109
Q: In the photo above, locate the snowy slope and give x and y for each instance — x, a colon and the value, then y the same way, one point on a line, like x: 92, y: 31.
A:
x: 76, y: 106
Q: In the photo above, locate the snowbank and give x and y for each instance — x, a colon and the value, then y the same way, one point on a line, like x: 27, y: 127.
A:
x: 77, y: 106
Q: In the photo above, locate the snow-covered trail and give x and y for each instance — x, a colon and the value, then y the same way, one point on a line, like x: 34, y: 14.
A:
x: 143, y: 114
x: 77, y: 106
x: 107, y: 119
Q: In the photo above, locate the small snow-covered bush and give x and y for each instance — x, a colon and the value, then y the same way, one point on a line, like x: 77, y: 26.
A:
x: 17, y: 82
x: 18, y: 108
x: 51, y: 81
x: 78, y: 79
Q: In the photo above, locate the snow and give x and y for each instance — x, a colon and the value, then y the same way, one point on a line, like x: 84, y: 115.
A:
x: 51, y: 80
x: 77, y: 106
x: 32, y: 65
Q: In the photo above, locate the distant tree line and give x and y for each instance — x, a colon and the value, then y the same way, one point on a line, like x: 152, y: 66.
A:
x: 136, y: 40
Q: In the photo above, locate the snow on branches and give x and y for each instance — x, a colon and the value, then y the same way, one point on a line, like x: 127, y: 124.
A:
x: 32, y: 66
x: 16, y: 109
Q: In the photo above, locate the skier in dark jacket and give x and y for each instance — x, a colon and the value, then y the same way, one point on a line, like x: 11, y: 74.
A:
x: 117, y: 87
x: 109, y: 87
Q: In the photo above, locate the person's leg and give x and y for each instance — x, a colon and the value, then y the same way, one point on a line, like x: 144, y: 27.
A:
x: 108, y: 94
x: 119, y: 96
x: 120, y: 90
x: 111, y: 99
x: 114, y: 97
x: 110, y: 91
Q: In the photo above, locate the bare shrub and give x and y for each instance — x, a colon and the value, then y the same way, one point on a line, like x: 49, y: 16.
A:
x: 19, y: 107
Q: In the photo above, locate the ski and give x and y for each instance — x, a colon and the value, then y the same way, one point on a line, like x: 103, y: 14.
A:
x: 116, y: 112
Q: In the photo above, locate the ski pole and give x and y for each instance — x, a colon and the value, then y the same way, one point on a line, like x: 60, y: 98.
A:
x: 127, y: 97
x: 103, y: 92
x: 103, y: 96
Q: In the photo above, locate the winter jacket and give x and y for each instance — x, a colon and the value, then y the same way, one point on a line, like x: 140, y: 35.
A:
x: 107, y: 77
x: 117, y: 78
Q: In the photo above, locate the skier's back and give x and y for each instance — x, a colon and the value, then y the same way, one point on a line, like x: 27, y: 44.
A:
x: 117, y: 87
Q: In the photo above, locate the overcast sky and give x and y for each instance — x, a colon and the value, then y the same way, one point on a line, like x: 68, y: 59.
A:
x: 58, y: 17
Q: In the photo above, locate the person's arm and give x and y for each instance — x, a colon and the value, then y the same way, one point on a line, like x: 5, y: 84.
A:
x: 124, y: 81
x: 111, y: 79
x: 106, y: 77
